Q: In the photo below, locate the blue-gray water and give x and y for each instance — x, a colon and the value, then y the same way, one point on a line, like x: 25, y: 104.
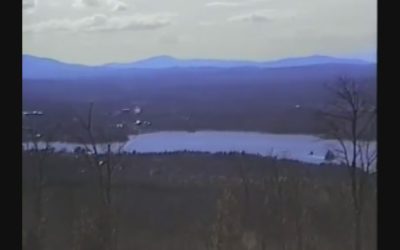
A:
x: 297, y: 147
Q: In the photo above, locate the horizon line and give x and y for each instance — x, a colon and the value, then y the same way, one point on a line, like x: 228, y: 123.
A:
x: 205, y: 59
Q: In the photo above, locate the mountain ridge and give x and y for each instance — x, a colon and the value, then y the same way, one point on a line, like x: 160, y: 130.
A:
x: 41, y: 67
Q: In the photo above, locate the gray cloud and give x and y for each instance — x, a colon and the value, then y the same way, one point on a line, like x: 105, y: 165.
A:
x: 29, y: 4
x: 261, y: 16
x: 169, y: 39
x: 119, y: 6
x: 234, y: 4
x: 85, y: 3
x: 292, y: 28
x: 113, y: 5
x: 251, y: 17
x: 101, y: 22
x: 225, y: 4
x: 206, y: 23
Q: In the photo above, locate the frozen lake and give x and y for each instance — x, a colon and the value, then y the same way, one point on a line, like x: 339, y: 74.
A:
x: 298, y: 147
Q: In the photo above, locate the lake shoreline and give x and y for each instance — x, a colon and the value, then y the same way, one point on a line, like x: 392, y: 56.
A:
x: 321, y: 136
x: 305, y: 148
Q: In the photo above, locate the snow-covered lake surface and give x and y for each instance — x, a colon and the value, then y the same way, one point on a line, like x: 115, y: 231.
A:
x: 305, y: 148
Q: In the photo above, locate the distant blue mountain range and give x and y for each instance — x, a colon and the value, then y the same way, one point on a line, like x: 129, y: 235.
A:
x: 167, y: 62
x: 43, y: 68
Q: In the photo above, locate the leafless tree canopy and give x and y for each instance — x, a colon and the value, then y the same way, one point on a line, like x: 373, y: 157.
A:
x: 351, y: 120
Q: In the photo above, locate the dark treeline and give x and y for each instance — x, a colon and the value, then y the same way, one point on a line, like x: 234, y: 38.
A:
x: 193, y: 201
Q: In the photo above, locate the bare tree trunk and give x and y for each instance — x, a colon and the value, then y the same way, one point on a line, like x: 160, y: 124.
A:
x: 356, y: 183
x: 104, y: 173
x: 107, y: 190
x: 108, y: 176
x: 38, y: 227
x: 246, y: 194
x: 357, y: 231
x: 299, y: 233
x: 263, y: 244
x: 352, y: 117
x: 281, y: 207
x: 264, y: 216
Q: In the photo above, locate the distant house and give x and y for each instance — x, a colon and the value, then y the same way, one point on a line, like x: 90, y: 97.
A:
x: 125, y: 110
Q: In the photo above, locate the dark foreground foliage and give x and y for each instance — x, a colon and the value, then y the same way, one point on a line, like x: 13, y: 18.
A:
x: 188, y: 201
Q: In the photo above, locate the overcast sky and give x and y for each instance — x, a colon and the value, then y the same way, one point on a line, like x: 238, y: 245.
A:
x: 104, y: 31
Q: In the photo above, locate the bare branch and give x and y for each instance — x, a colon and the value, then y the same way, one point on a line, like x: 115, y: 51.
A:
x: 351, y: 110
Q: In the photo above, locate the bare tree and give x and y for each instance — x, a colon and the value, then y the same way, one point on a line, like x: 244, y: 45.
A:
x: 298, y: 202
x: 105, y: 165
x: 351, y: 121
x: 245, y: 183
x: 41, y: 154
x: 268, y: 182
x: 227, y: 230
x: 279, y: 182
x: 102, y: 160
